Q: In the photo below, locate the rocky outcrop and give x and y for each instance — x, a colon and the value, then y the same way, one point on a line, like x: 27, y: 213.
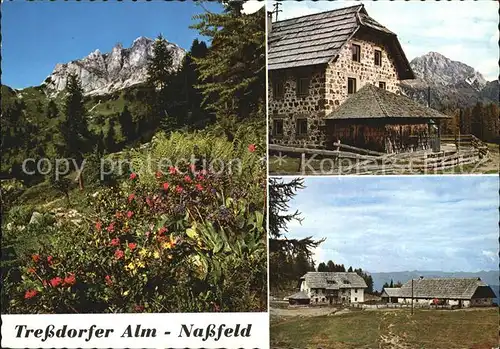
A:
x: 102, y: 73
x: 451, y: 83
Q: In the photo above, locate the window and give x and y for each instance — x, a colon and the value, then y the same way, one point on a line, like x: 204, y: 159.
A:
x: 302, y: 86
x: 378, y: 57
x: 278, y: 88
x: 356, y: 53
x: 278, y: 127
x: 351, y: 86
x: 381, y: 84
x: 355, y: 299
x: 301, y: 127
x: 355, y: 290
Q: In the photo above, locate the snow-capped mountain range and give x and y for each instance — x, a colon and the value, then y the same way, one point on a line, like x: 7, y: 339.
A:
x: 102, y: 73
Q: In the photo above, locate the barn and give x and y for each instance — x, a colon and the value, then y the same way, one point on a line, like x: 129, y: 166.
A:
x: 380, y: 120
x: 461, y: 292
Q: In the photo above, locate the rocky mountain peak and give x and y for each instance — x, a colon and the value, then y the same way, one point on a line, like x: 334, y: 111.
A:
x: 436, y: 69
x: 102, y: 73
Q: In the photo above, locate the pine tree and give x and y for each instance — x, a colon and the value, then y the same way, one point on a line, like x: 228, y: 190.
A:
x: 74, y: 128
x: 110, y: 141
x: 392, y: 284
x: 52, y: 110
x: 233, y: 73
x: 281, y: 249
x: 322, y: 267
x: 159, y: 77
x: 126, y: 124
x: 349, y: 270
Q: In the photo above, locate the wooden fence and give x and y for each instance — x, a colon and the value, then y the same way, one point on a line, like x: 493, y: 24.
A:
x: 363, y: 161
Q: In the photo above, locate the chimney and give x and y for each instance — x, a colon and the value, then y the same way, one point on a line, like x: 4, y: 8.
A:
x: 269, y: 22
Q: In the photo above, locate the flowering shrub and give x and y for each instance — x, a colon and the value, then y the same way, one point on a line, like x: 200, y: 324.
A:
x: 187, y: 240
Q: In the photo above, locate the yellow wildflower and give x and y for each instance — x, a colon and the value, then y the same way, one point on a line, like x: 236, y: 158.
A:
x: 156, y: 254
x: 143, y: 252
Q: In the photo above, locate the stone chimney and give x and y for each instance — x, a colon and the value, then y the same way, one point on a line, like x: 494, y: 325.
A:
x: 269, y: 22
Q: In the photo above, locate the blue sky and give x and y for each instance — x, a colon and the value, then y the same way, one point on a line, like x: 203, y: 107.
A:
x: 387, y: 224
x: 38, y: 35
x: 465, y: 31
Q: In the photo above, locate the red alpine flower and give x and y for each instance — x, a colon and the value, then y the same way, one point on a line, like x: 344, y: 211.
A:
x: 162, y: 230
x: 131, y: 197
x: 70, y: 279
x: 31, y: 270
x: 199, y: 187
x: 132, y: 245
x: 49, y: 259
x: 111, y: 227
x: 179, y: 189
x: 56, y: 281
x: 165, y: 186
x: 35, y: 257
x: 119, y: 254
x: 108, y: 280
x: 139, y: 308
x: 30, y: 294
x: 148, y: 201
x: 251, y: 148
x: 130, y: 214
x: 115, y: 242
x: 172, y: 170
x: 159, y: 174
x: 187, y: 179
x: 133, y: 176
x: 98, y: 226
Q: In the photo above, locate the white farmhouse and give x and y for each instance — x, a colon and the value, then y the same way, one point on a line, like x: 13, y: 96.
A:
x: 330, y: 288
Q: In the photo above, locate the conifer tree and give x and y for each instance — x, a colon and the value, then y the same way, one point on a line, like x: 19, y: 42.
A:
x: 111, y: 137
x: 126, y: 124
x: 233, y: 72
x: 159, y: 77
x: 74, y: 128
x: 52, y: 110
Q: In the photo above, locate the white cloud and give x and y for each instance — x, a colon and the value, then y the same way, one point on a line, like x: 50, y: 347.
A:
x: 465, y: 31
x: 252, y: 6
x: 401, y: 223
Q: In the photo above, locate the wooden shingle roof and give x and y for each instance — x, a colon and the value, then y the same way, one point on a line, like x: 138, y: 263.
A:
x: 299, y: 295
x: 444, y: 288
x: 317, y: 39
x: 390, y: 292
x: 333, y: 280
x: 374, y: 102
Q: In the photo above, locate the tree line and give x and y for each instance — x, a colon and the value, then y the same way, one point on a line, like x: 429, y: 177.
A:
x: 481, y: 120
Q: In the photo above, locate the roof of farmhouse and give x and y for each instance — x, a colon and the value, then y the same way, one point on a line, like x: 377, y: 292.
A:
x: 448, y: 288
x: 318, y: 38
x: 391, y: 292
x: 374, y: 102
x: 333, y: 280
x: 299, y: 295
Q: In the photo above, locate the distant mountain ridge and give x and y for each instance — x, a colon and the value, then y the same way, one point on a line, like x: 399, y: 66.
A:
x: 451, y: 83
x: 103, y: 73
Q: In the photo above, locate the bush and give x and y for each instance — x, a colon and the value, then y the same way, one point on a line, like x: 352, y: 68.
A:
x: 187, y: 240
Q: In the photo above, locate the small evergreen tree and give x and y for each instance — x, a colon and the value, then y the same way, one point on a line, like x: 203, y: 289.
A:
x: 126, y: 124
x: 74, y: 128
x: 52, y: 110
x: 111, y: 137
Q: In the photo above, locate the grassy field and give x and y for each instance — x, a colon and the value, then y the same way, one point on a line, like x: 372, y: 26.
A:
x: 397, y: 329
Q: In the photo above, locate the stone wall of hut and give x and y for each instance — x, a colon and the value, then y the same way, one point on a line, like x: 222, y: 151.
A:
x: 327, y: 90
x: 365, y: 71
x: 292, y: 107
